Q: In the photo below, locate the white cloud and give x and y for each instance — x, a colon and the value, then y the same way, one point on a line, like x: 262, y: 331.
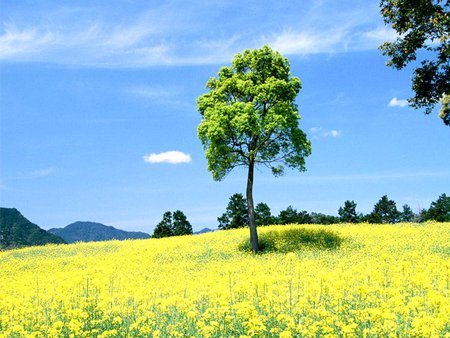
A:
x: 307, y: 42
x: 397, y: 103
x: 38, y: 173
x: 172, y: 157
x: 178, y: 33
x: 333, y: 133
x: 314, y: 130
x: 150, y: 92
x: 319, y: 132
x: 17, y: 42
x: 381, y: 34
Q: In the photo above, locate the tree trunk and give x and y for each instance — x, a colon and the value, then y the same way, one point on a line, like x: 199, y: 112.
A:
x: 251, y: 208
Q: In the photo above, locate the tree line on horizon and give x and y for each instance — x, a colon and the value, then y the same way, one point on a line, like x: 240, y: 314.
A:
x: 384, y: 211
x: 236, y: 215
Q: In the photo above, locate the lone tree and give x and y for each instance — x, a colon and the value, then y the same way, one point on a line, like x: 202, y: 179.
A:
x: 421, y: 25
x: 249, y: 117
x: 172, y: 224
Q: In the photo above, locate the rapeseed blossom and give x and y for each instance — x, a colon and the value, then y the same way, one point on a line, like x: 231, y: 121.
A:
x: 384, y: 280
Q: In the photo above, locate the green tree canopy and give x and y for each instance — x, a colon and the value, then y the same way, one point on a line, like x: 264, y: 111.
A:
x: 172, y: 224
x: 444, y: 113
x: 180, y: 225
x: 291, y: 215
x: 288, y: 215
x: 422, y: 25
x: 263, y: 215
x: 439, y: 209
x: 407, y: 215
x: 249, y: 117
x: 319, y: 218
x: 236, y: 215
x: 164, y: 228
x: 384, y: 211
x: 347, y: 213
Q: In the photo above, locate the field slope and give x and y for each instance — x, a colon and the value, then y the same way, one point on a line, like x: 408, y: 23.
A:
x: 384, y: 280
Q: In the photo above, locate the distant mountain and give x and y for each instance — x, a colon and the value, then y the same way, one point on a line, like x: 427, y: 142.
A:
x: 16, y: 231
x: 94, y: 232
x: 203, y: 231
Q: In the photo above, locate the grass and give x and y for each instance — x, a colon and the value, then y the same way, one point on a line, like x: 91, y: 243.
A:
x: 295, y: 239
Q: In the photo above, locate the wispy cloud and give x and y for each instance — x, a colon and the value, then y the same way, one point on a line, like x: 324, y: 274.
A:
x: 306, y: 42
x: 23, y: 42
x: 319, y: 132
x: 150, y: 92
x: 381, y: 34
x: 397, y: 103
x: 42, y: 172
x: 179, y: 34
x: 172, y: 157
x: 38, y: 173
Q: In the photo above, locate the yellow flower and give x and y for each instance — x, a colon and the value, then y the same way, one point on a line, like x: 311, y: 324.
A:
x: 382, y: 280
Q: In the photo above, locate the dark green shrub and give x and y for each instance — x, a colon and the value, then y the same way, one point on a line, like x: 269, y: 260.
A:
x: 295, y: 240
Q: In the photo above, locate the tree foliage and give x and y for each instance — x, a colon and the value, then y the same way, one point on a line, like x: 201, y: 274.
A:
x: 439, y: 210
x: 384, y: 211
x: 175, y: 224
x: 444, y: 113
x: 347, y: 213
x: 422, y: 25
x: 319, y: 218
x: 291, y: 216
x: 236, y: 215
x: 407, y: 215
x: 164, y: 228
x: 263, y: 215
x: 180, y: 224
x: 249, y: 117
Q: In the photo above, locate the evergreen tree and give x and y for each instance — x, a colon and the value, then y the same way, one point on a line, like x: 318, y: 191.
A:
x: 347, y: 213
x: 407, y: 215
x: 439, y: 210
x: 292, y: 216
x: 385, y: 211
x: 288, y: 216
x: 319, y: 218
x: 303, y: 218
x: 180, y: 224
x: 421, y: 216
x: 164, y: 228
x: 173, y: 224
x: 263, y: 215
x: 236, y: 215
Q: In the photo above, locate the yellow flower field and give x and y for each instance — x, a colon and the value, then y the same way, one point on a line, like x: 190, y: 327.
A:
x: 384, y: 280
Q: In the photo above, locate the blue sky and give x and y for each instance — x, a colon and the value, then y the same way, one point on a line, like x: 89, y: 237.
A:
x: 93, y: 96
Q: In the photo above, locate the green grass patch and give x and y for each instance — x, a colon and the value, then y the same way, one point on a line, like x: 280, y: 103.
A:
x: 291, y: 240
